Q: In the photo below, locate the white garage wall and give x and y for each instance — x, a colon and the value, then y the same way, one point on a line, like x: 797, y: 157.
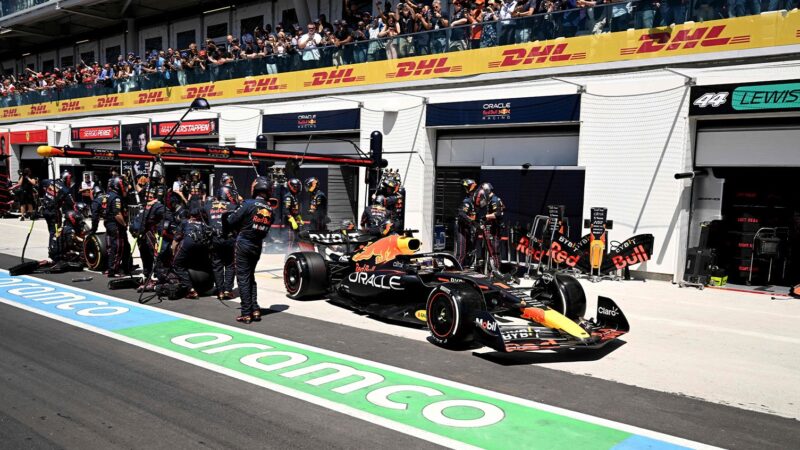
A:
x: 631, y: 147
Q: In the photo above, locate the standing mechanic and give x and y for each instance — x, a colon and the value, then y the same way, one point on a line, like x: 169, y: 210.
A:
x: 149, y: 220
x: 197, y: 189
x: 190, y: 243
x: 292, y: 221
x: 222, y: 241
x: 317, y: 205
x: 119, y: 250
x: 490, y: 212
x: 376, y: 219
x: 51, y: 211
x: 466, y: 223
x: 98, y: 208
x: 253, y: 220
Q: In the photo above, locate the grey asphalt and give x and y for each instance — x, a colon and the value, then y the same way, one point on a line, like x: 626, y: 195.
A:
x: 64, y: 387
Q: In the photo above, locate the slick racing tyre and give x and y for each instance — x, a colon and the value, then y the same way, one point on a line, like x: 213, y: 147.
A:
x: 562, y: 293
x: 94, y: 252
x: 202, y: 280
x: 305, y: 275
x: 450, y: 311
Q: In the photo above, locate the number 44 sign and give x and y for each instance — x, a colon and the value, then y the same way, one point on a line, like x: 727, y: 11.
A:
x: 713, y: 99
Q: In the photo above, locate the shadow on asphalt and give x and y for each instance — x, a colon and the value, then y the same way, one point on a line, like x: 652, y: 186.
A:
x: 563, y: 356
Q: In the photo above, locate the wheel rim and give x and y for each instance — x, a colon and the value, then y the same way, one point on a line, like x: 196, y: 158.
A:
x: 292, y: 277
x: 91, y: 254
x: 441, y: 317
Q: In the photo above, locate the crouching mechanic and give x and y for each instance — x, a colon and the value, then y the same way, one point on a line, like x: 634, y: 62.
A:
x: 222, y: 241
x: 376, y: 220
x: 253, y: 220
x: 73, y: 233
x: 190, y: 244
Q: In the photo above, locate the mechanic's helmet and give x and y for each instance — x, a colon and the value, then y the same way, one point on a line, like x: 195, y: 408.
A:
x: 117, y: 184
x: 226, y: 180
x: 156, y: 174
x: 348, y: 225
x: 389, y: 184
x: 481, y: 198
x: 226, y: 194
x: 72, y: 217
x: 195, y: 175
x: 152, y: 192
x: 379, y: 200
x: 469, y: 185
x: 48, y: 184
x: 386, y: 227
x: 311, y: 184
x: 261, y: 185
x: 83, y: 209
x: 294, y: 185
x: 66, y: 178
x: 97, y: 190
x: 488, y: 188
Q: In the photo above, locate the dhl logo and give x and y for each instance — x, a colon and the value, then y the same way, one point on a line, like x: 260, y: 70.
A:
x: 262, y: 85
x: 333, y: 77
x: 38, y: 110
x: 201, y: 91
x: 108, y: 102
x: 151, y: 97
x: 684, y: 39
x: 71, y: 105
x: 423, y: 67
x: 11, y: 112
x: 536, y: 55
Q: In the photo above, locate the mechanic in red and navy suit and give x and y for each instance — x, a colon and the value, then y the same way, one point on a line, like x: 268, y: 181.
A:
x: 116, y: 223
x: 466, y: 222
x: 292, y: 220
x: 253, y: 219
x: 490, y: 213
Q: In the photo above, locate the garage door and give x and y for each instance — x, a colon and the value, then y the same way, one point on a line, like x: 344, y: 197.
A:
x: 341, y: 184
x: 748, y: 142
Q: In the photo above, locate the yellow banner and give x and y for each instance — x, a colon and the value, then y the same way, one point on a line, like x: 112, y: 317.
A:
x: 768, y: 30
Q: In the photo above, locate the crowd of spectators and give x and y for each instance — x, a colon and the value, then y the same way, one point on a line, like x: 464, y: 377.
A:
x: 403, y: 30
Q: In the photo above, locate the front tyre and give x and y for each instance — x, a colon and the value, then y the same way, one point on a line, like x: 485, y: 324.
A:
x: 305, y: 275
x: 450, y: 310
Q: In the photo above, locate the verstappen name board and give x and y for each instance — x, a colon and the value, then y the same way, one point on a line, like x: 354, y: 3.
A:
x: 741, y: 33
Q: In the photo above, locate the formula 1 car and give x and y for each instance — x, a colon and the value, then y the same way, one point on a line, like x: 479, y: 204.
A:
x: 387, y: 277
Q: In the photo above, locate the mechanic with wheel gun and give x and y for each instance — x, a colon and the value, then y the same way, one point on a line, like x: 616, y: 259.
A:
x: 466, y: 223
x: 191, y: 240
x: 317, y: 205
x: 222, y: 241
x: 253, y: 219
x: 73, y: 232
x: 119, y: 250
x: 292, y: 221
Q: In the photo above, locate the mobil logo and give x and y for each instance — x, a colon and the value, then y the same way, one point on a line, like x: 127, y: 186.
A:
x: 70, y: 105
x: 201, y: 91
x: 38, y: 110
x: 539, y: 54
x: 108, y: 102
x: 151, y: 97
x: 685, y: 39
x: 262, y: 85
x: 11, y: 112
x: 341, y: 76
x: 423, y: 67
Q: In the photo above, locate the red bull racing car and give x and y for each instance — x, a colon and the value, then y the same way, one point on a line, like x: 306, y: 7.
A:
x: 389, y: 278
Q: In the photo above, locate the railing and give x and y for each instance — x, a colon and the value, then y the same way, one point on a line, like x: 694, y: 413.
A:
x: 597, y: 19
x: 11, y: 6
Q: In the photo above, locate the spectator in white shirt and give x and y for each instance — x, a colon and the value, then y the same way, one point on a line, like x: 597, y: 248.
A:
x: 507, y: 25
x: 308, y: 44
x: 87, y: 185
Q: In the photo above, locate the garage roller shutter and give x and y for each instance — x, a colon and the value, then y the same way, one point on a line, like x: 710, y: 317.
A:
x: 748, y: 145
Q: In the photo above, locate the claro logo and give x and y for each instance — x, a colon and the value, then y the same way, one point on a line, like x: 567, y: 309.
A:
x: 201, y: 91
x: 684, y: 39
x: 340, y: 76
x: 536, y: 55
x: 423, y: 67
x: 151, y: 97
x: 263, y: 85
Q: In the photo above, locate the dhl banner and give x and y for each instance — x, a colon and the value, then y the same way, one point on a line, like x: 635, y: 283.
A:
x: 768, y: 30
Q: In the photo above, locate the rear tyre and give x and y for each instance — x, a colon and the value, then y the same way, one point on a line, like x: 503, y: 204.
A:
x: 450, y: 311
x: 305, y: 275
x: 94, y: 252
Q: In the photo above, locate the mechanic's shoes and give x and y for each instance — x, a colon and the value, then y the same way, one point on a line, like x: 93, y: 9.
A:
x: 228, y: 295
x: 245, y: 318
x: 192, y: 294
x: 256, y: 315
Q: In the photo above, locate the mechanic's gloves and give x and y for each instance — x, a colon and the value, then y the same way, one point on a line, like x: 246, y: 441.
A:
x: 293, y: 223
